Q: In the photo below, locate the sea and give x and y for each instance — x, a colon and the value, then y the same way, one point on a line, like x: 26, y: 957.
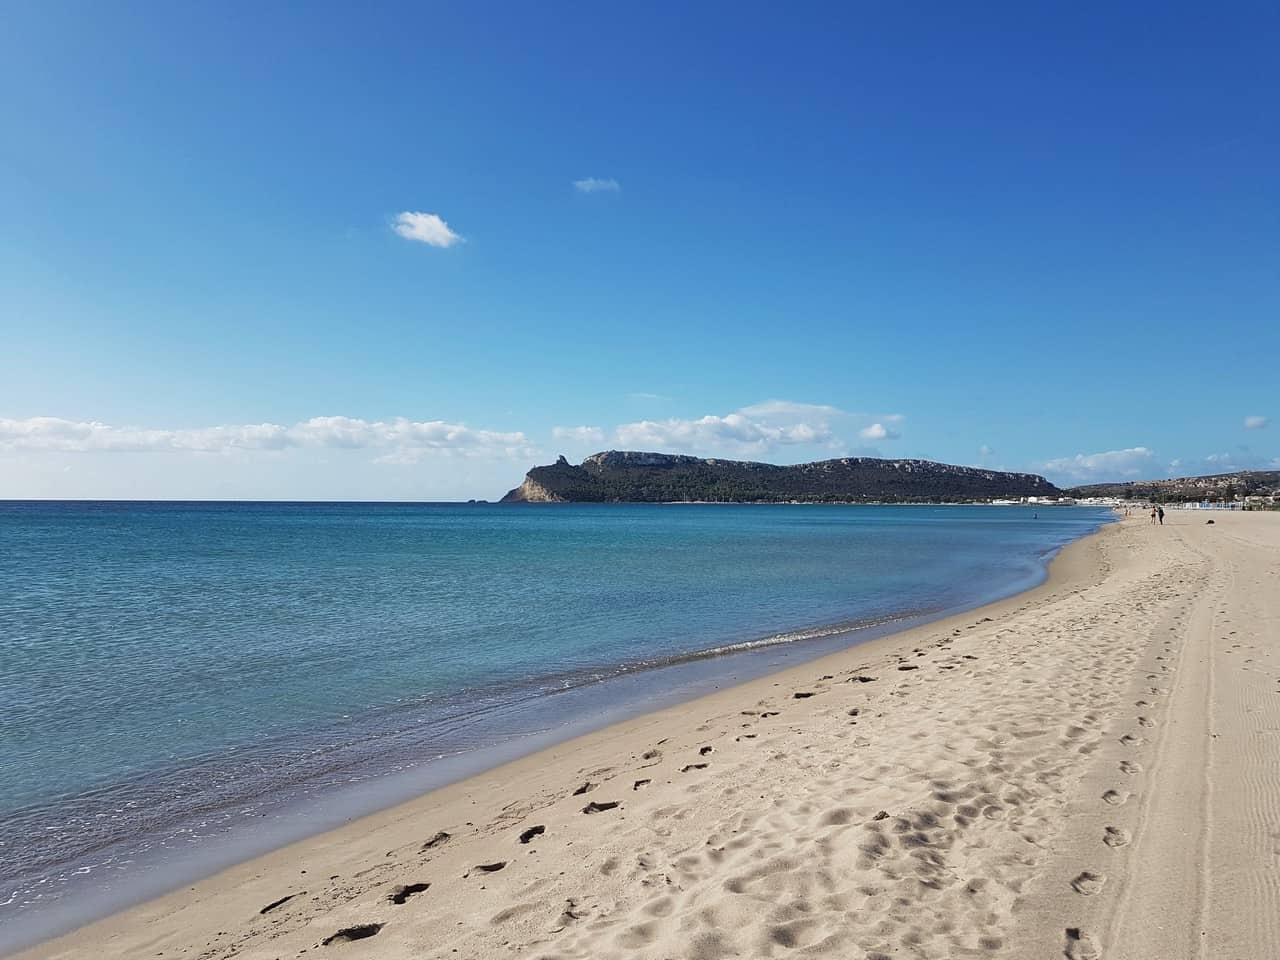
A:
x: 185, y: 685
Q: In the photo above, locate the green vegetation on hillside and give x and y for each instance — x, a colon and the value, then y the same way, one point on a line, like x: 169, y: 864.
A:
x: 1217, y: 487
x: 622, y: 476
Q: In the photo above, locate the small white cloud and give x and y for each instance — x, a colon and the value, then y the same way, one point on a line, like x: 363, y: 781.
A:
x: 878, y: 431
x: 590, y: 436
x: 1109, y: 465
x: 789, y: 408
x: 985, y: 451
x: 425, y: 228
x: 597, y: 185
x: 1256, y: 422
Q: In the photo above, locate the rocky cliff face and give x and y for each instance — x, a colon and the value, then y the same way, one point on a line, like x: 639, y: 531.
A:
x: 531, y: 491
x: 623, y: 476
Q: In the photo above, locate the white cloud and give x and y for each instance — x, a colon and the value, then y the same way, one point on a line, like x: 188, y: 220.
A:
x: 425, y: 228
x: 591, y: 436
x: 878, y: 431
x: 597, y: 185
x: 751, y: 431
x: 1241, y: 459
x: 1110, y: 465
x: 757, y: 429
x: 985, y: 451
x: 1256, y: 422
x: 734, y: 433
x: 404, y: 439
x: 647, y: 397
x: 789, y: 408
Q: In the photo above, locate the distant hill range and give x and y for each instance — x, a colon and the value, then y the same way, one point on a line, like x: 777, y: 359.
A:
x: 628, y: 477
x: 1218, y: 486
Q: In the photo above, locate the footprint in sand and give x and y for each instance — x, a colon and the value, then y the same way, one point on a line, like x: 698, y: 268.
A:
x: 1116, y: 837
x: 1130, y: 767
x: 1129, y: 740
x: 347, y: 934
x: 278, y: 903
x: 403, y: 892
x: 1088, y: 883
x: 532, y: 832
x: 1146, y: 722
x: 1115, y: 797
x: 1080, y: 946
x: 435, y: 841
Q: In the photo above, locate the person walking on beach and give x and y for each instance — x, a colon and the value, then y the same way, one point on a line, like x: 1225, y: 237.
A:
x: 1160, y: 512
x: 1153, y: 513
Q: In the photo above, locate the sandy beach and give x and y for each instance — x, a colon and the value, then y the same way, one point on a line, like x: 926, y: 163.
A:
x: 1089, y: 769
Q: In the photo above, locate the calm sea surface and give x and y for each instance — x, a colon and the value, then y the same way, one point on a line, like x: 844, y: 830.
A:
x: 184, y: 684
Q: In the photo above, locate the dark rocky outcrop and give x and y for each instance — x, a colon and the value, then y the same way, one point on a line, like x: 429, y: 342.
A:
x: 630, y: 477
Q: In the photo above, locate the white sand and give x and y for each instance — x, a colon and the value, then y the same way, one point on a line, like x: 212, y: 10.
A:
x: 1089, y: 769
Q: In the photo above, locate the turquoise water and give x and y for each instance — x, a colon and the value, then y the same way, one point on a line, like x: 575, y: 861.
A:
x: 171, y: 672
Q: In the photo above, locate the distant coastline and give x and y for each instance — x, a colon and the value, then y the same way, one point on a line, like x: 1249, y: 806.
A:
x: 625, y: 476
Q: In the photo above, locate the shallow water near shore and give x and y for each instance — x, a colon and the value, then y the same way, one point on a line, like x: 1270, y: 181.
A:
x: 183, y: 685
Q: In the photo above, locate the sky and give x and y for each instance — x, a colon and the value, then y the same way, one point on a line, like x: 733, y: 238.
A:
x: 385, y: 251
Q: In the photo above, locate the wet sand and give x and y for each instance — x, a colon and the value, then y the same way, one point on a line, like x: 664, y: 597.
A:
x: 1089, y: 769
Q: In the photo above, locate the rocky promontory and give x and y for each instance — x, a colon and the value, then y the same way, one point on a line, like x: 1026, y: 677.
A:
x: 623, y: 476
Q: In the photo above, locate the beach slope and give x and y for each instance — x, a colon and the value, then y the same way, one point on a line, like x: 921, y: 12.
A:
x: 1090, y: 769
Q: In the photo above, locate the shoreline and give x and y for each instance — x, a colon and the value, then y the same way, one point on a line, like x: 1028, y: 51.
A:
x: 306, y: 812
x: 1064, y: 566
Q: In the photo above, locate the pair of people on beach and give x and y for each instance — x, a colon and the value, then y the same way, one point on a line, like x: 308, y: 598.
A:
x: 1157, y: 513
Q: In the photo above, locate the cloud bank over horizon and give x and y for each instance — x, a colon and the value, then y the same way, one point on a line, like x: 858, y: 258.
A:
x: 1127, y: 464
x: 759, y: 429
x: 482, y: 460
x: 403, y: 440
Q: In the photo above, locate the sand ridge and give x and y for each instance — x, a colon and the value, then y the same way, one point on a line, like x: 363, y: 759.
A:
x: 1086, y: 770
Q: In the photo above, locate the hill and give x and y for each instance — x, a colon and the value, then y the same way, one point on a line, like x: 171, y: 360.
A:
x: 1218, y: 486
x: 630, y: 477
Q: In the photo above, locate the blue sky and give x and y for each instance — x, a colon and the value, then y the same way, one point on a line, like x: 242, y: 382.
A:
x: 408, y: 251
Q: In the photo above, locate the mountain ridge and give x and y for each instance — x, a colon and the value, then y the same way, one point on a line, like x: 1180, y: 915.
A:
x: 630, y: 476
x: 1214, y: 486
